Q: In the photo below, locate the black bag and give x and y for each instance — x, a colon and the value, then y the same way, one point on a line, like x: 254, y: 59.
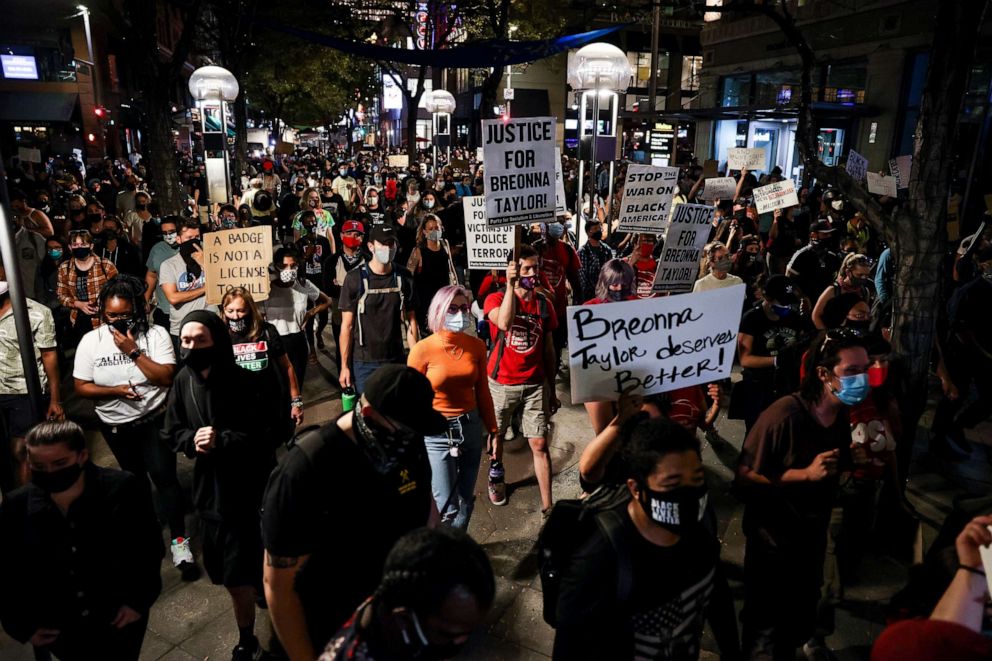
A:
x: 571, y: 524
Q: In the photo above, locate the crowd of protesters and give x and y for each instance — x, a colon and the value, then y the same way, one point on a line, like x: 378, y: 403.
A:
x: 352, y: 535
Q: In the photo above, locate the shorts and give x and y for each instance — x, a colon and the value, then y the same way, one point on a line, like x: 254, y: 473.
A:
x: 506, y: 401
x: 16, y: 417
x: 233, y: 554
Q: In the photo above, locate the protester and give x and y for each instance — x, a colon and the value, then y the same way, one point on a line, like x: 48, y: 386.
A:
x: 161, y: 251
x: 852, y: 278
x: 436, y: 588
x: 455, y: 364
x: 335, y: 269
x: 81, y: 553
x: 310, y: 202
x: 814, y: 265
x: 182, y: 279
x: 30, y: 247
x: 28, y: 217
x: 116, y: 248
x: 314, y: 251
x: 431, y: 266
x: 720, y: 265
x: 645, y: 265
x: 313, y: 581
x: 592, y: 256
x: 80, y: 280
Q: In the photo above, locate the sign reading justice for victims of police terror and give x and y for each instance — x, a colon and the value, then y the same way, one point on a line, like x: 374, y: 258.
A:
x: 238, y: 258
x: 487, y: 247
x: 647, y: 196
x: 519, y: 170
x: 652, y: 345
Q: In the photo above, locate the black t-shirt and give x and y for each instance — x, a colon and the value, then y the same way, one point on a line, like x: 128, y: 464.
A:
x: 663, y: 617
x: 327, y: 501
x: 313, y: 266
x: 378, y: 333
x: 783, y: 339
x: 816, y: 269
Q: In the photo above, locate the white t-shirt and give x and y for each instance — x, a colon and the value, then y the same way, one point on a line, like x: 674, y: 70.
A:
x: 286, y: 306
x: 100, y: 361
x: 710, y: 281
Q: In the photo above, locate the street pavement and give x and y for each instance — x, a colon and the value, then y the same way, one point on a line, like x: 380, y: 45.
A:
x: 194, y: 620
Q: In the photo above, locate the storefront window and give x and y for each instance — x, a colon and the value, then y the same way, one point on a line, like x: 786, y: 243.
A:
x: 845, y: 83
x: 777, y: 88
x: 917, y: 71
x: 736, y: 91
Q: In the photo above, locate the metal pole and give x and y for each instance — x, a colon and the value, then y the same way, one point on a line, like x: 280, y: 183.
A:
x: 97, y: 96
x: 653, y: 80
x: 22, y: 325
x: 595, y: 139
x: 434, y: 146
x: 227, y: 157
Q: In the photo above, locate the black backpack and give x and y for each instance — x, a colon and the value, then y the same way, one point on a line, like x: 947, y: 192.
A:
x: 569, y: 526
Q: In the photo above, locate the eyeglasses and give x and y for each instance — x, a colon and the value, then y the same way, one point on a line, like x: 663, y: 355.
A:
x: 455, y: 309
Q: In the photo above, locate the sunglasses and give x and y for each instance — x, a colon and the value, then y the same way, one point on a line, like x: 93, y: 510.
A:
x: 455, y: 309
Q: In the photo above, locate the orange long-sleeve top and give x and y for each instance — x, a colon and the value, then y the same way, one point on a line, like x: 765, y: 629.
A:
x: 455, y: 364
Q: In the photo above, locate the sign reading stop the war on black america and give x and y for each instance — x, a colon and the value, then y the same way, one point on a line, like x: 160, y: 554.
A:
x: 647, y: 197
x: 519, y: 170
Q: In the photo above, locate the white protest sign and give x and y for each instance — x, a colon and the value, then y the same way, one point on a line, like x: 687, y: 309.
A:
x: 28, y: 155
x: 752, y: 158
x: 652, y: 345
x: 559, y: 185
x: 487, y: 247
x: 679, y: 261
x: 779, y: 195
x: 399, y: 160
x: 900, y: 167
x: 880, y: 184
x: 857, y: 165
x: 519, y: 170
x: 647, y: 196
x: 719, y: 188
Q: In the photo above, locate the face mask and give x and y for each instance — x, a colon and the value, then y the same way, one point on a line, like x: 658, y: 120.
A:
x: 752, y: 258
x: 853, y: 389
x: 377, y: 179
x: 140, y: 207
x: 300, y: 187
x: 352, y: 242
x: 82, y: 252
x: 434, y: 235
x: 556, y: 230
x: 413, y: 198
x: 228, y: 223
x: 188, y: 248
x: 122, y: 326
x: 382, y: 447
x: 287, y: 275
x: 384, y: 255
x: 614, y: 295
x: 237, y: 325
x: 877, y: 375
x: 373, y: 200
x: 457, y: 322
x: 781, y: 310
x: 645, y: 249
x: 342, y: 171
x: 56, y: 481
x: 170, y: 238
x: 428, y: 204
x: 55, y: 254
x: 857, y: 324
x: 528, y: 282
x: 724, y: 264
x: 597, y: 235
x: 197, y: 359
x: 678, y: 510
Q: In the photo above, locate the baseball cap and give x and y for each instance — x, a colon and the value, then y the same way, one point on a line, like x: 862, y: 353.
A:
x: 821, y: 225
x: 405, y: 395
x: 352, y: 226
x: 383, y: 233
x: 781, y: 289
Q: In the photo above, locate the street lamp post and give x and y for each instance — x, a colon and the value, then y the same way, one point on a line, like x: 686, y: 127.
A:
x: 598, y: 70
x: 213, y: 88
x: 441, y: 105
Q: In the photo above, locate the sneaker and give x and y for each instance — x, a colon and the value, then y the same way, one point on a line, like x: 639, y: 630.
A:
x: 816, y: 650
x: 248, y: 652
x: 182, y: 559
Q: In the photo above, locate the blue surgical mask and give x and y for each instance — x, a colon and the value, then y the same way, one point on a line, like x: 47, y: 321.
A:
x: 457, y: 322
x: 853, y: 389
x: 781, y: 310
x: 556, y: 230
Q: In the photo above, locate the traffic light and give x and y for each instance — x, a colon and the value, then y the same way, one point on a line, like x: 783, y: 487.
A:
x: 101, y: 112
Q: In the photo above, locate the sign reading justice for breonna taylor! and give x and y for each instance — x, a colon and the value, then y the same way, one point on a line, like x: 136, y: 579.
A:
x: 519, y: 170
x: 487, y: 247
x: 652, y: 345
x: 647, y: 196
x: 238, y: 258
x: 678, y: 265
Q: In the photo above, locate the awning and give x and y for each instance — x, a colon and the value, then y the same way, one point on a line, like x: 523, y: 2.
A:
x: 37, y: 106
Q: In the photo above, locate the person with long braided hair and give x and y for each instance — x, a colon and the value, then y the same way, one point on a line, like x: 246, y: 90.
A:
x: 126, y: 366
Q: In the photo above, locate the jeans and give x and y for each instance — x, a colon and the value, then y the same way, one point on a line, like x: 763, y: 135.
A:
x: 362, y: 370
x: 140, y: 450
x: 453, y: 478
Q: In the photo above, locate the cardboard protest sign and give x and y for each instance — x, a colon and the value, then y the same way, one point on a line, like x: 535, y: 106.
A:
x: 719, y: 188
x: 711, y: 168
x: 399, y: 160
x: 519, y: 170
x: 880, y: 184
x: 559, y: 185
x: 857, y: 165
x: 647, y: 196
x: 237, y: 258
x: 488, y: 247
x: 779, y: 195
x: 652, y: 345
x: 678, y: 265
x: 752, y: 158
x: 900, y: 168
x: 29, y: 155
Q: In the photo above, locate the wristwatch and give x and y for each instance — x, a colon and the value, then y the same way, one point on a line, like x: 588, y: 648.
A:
x: 134, y: 355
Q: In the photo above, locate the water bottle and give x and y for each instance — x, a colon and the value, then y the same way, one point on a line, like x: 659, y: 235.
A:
x: 496, y: 472
x: 348, y: 397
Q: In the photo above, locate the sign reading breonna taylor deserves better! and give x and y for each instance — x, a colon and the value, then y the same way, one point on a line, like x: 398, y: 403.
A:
x: 487, y: 247
x: 647, y: 196
x: 652, y: 345
x: 519, y: 158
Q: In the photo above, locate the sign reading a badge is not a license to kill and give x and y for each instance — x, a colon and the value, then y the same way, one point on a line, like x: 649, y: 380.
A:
x: 237, y: 257
x: 519, y: 158
x: 487, y: 247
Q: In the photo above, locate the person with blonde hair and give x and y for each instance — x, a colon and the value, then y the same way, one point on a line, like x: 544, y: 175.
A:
x: 431, y: 266
x: 310, y: 201
x: 852, y: 278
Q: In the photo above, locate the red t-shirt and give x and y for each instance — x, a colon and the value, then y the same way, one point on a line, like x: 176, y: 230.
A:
x: 559, y: 262
x: 523, y: 350
x: 870, y: 429
x: 688, y: 407
x: 644, y: 272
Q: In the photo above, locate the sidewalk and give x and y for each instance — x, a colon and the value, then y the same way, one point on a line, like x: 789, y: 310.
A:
x: 194, y: 621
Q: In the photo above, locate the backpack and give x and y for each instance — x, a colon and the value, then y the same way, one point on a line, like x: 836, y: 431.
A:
x: 364, y: 292
x: 570, y: 525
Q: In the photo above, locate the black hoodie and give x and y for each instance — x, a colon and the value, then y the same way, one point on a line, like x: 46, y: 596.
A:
x: 229, y: 480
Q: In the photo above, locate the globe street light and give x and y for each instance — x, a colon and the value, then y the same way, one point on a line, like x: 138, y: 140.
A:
x: 601, y: 72
x: 213, y: 88
x: 441, y: 105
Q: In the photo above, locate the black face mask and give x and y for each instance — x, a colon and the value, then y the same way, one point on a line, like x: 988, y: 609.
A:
x: 596, y: 236
x: 109, y: 235
x: 57, y: 481
x: 198, y: 359
x: 678, y: 510
x: 82, y: 252
x: 140, y: 207
x: 383, y: 447
x: 858, y: 325
x: 122, y: 326
x: 237, y: 325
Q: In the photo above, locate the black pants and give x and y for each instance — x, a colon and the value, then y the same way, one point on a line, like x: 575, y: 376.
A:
x: 98, y: 640
x: 298, y: 352
x: 321, y: 323
x: 160, y: 318
x: 140, y: 450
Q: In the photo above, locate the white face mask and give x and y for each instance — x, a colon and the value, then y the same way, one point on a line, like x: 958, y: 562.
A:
x: 384, y: 255
x: 457, y: 322
x: 428, y: 204
x: 287, y: 275
x: 342, y: 172
x: 170, y: 238
x: 434, y: 235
